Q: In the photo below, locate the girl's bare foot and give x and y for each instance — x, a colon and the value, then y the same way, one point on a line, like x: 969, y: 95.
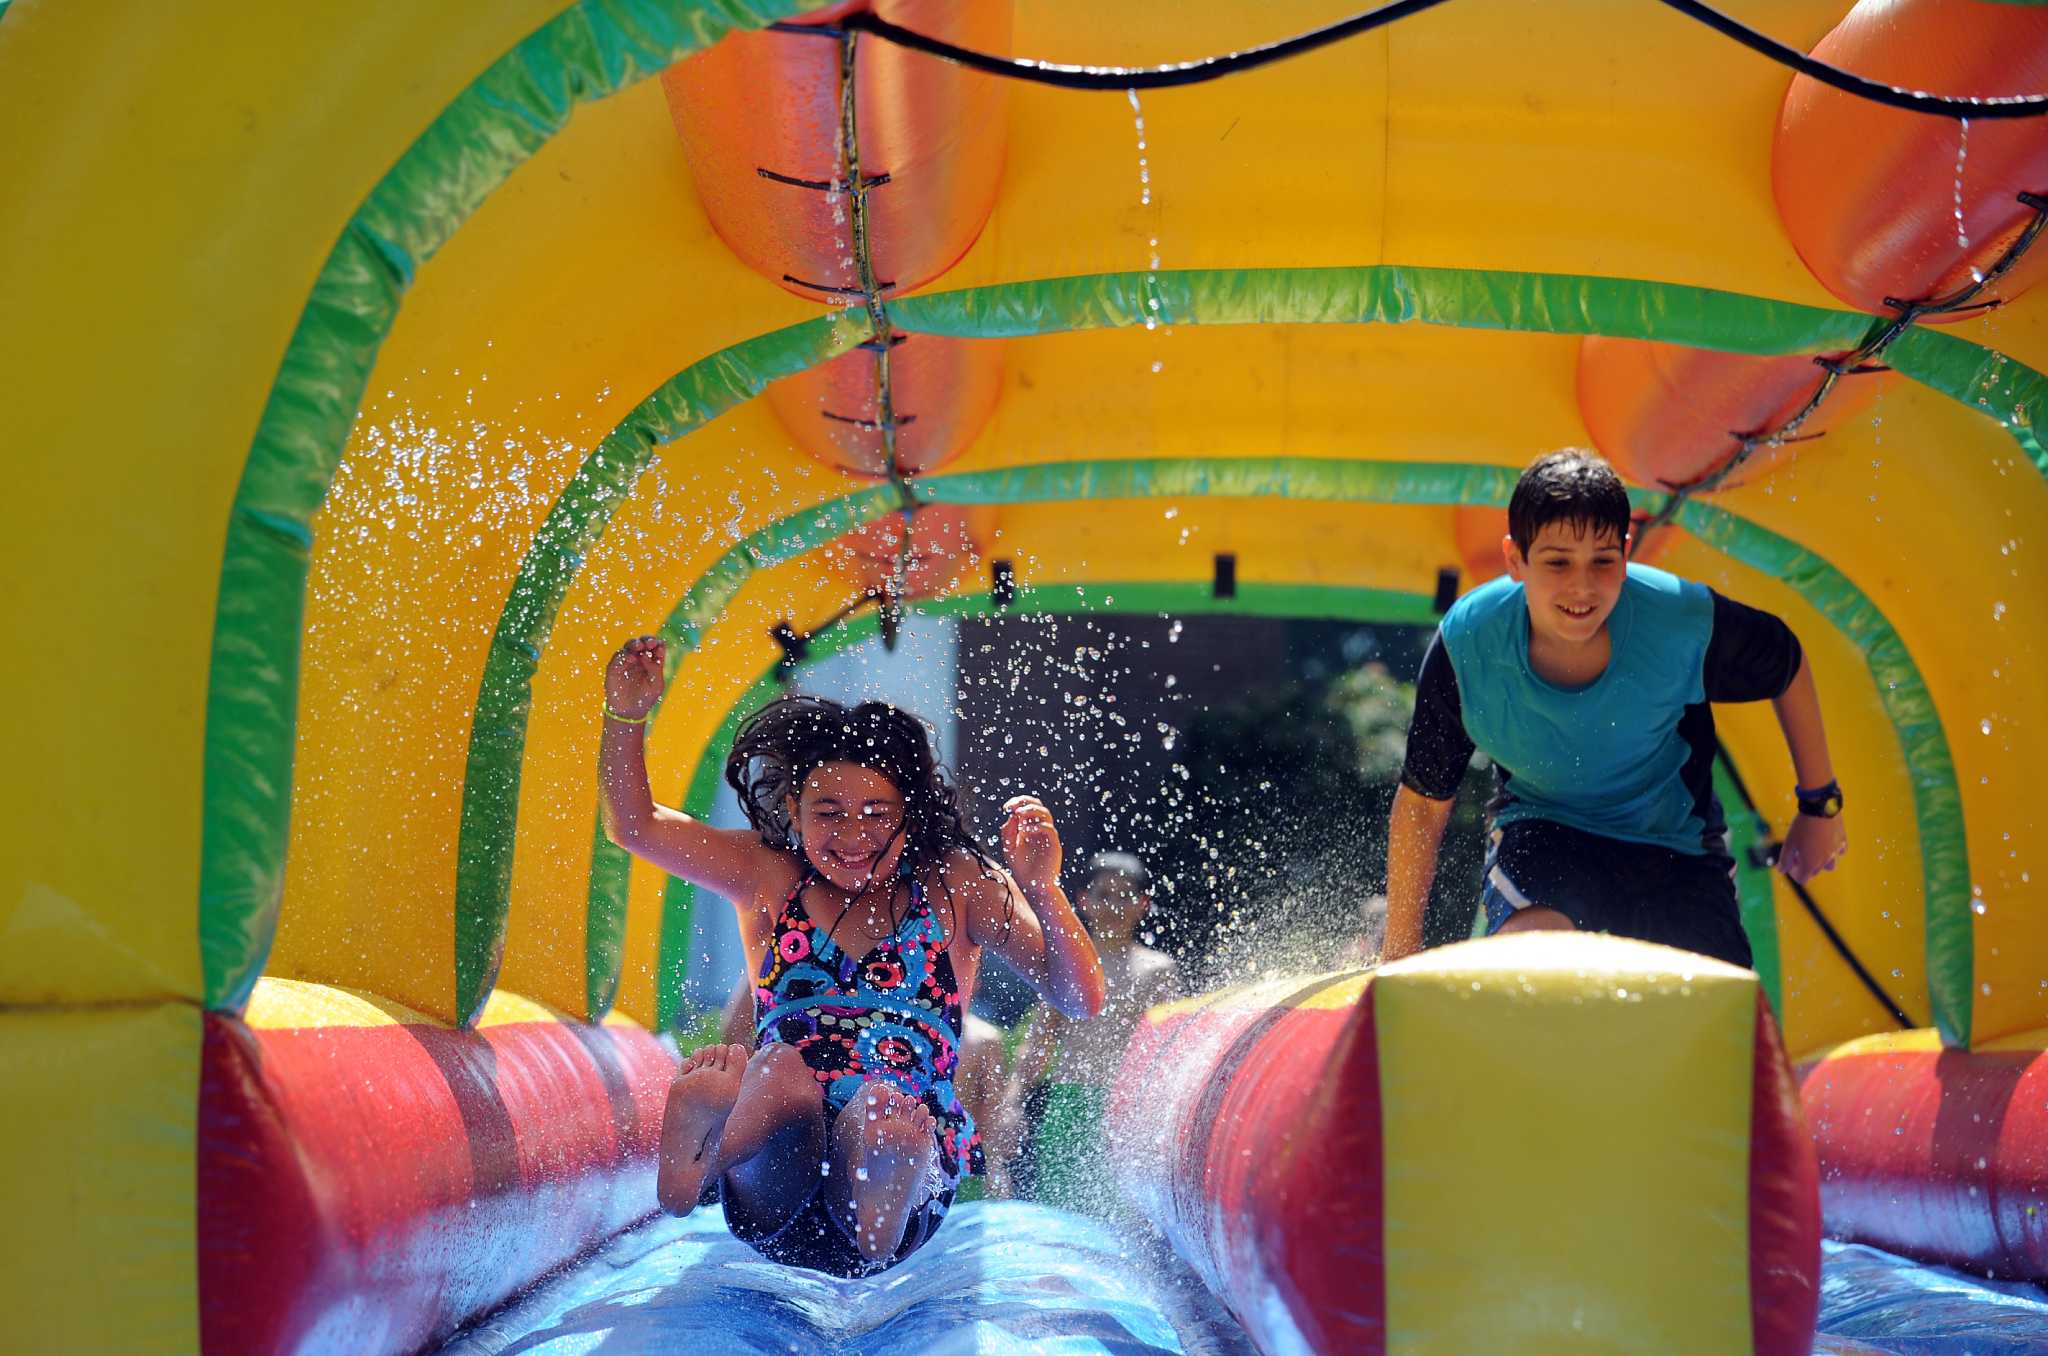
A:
x: 885, y: 1141
x: 699, y: 1100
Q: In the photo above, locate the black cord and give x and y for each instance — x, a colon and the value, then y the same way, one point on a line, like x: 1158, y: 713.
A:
x: 1806, y: 898
x: 1137, y: 77
x: 1068, y: 76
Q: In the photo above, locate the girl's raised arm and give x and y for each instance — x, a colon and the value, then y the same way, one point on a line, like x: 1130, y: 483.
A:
x: 1029, y: 922
x: 729, y: 861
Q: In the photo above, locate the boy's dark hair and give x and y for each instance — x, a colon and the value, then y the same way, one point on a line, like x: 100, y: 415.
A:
x: 1573, y: 486
x: 1103, y: 866
x: 782, y: 744
x: 1123, y: 865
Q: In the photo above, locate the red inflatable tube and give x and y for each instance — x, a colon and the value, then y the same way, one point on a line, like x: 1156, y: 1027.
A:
x: 1254, y: 1138
x: 1937, y: 1154
x: 767, y: 104
x: 366, y: 1189
x: 1666, y: 415
x: 941, y: 392
x: 1868, y: 193
x: 1293, y: 1248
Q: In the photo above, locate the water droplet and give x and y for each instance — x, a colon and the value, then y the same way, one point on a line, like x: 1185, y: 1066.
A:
x: 1962, y: 155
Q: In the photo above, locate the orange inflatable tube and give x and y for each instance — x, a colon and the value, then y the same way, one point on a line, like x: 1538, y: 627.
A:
x: 1884, y: 203
x: 941, y: 392
x: 944, y: 540
x: 761, y: 121
x: 1666, y: 415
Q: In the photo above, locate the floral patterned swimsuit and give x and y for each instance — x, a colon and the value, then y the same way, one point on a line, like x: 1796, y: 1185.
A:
x: 892, y: 1017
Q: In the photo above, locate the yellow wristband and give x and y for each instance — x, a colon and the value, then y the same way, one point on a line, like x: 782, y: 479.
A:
x: 626, y: 720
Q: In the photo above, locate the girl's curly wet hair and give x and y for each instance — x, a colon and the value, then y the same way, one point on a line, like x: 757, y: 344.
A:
x: 779, y: 746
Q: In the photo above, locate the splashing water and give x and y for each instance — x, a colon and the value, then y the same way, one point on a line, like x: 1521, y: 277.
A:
x: 1962, y: 233
x: 1151, y: 304
x: 1144, y: 170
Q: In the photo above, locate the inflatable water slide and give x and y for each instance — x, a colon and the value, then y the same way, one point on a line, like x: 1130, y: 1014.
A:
x: 368, y: 371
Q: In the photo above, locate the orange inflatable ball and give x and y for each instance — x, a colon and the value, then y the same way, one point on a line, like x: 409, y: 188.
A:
x: 761, y: 122
x: 1666, y: 415
x: 1870, y: 194
x: 941, y: 393
x: 1477, y: 532
x: 945, y: 543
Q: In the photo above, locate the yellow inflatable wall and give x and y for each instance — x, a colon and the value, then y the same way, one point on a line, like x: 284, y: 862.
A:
x: 395, y: 301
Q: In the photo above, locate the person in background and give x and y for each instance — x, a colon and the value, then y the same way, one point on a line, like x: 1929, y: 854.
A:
x: 980, y: 1081
x: 1050, y: 1131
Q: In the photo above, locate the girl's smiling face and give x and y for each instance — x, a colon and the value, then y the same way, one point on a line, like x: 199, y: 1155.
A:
x: 1573, y: 577
x: 850, y: 820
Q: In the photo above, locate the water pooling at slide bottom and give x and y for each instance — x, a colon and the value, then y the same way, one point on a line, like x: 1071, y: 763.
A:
x: 1013, y: 1277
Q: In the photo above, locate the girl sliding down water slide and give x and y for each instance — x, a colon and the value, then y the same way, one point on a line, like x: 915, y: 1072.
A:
x: 838, y: 1146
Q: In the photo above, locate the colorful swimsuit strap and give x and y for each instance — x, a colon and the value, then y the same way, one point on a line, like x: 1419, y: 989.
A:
x: 917, y: 903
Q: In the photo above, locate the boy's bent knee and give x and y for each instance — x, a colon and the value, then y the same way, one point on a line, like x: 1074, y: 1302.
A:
x: 1535, y: 918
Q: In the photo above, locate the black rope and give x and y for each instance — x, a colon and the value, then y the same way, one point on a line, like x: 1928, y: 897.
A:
x: 1068, y: 76
x: 1769, y: 854
x: 887, y: 599
x: 1138, y: 77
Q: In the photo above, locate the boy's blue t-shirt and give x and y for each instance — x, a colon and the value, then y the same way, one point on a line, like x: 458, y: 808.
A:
x: 1628, y: 756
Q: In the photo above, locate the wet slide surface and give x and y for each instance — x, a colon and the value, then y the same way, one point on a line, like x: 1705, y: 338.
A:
x: 1013, y: 1277
x: 999, y: 1277
x: 1875, y: 1304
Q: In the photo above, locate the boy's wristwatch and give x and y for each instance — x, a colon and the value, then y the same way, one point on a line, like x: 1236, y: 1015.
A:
x: 1822, y: 802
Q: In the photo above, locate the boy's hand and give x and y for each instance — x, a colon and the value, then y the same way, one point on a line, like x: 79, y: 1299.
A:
x: 1030, y: 842
x: 1812, y: 846
x: 633, y: 680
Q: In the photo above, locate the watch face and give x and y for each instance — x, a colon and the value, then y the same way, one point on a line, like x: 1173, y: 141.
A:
x: 1822, y: 807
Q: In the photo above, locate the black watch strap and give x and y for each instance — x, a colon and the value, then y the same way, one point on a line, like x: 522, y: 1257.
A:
x: 1821, y: 802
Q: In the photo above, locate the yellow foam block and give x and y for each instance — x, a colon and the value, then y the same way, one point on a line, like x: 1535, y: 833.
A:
x: 284, y: 1004
x: 1566, y: 1129
x: 99, y: 1183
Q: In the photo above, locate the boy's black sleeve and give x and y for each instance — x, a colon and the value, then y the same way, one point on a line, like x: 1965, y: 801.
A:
x: 1752, y: 656
x: 1438, y: 747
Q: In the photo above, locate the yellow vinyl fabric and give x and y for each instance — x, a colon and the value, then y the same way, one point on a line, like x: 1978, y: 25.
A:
x: 1592, y: 1202
x: 186, y: 172
x: 102, y: 1110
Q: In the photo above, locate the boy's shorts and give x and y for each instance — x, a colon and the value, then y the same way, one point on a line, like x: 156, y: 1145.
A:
x: 1607, y: 885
